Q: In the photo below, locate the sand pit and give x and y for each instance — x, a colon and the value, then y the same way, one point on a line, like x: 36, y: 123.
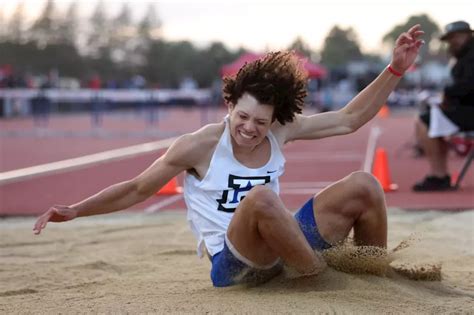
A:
x: 137, y: 263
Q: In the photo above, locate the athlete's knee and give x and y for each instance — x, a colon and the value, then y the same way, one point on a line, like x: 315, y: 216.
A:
x: 365, y: 187
x: 261, y: 195
x: 262, y: 201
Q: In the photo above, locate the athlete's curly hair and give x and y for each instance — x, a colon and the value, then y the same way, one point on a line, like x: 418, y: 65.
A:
x: 278, y: 79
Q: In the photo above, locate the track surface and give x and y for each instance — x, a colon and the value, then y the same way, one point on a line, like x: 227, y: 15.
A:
x: 311, y: 165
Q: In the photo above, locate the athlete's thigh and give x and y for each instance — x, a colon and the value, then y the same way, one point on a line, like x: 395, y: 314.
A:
x: 336, y: 207
x: 243, y: 230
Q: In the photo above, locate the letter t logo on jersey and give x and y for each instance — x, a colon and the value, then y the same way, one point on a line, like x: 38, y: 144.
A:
x: 239, y: 186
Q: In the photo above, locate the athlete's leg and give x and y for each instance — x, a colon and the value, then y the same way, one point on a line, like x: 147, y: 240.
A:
x: 262, y: 230
x: 436, y: 150
x: 357, y: 201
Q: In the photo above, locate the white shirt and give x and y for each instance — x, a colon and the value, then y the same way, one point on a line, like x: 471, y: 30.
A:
x: 211, y: 202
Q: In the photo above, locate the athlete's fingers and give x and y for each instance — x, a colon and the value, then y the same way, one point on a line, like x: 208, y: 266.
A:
x: 414, y: 29
x: 403, y: 47
x: 38, y: 226
x: 418, y: 34
x: 42, y: 221
x: 403, y: 39
x: 419, y: 43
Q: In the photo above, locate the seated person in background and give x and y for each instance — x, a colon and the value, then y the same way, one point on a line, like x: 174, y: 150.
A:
x: 457, y: 106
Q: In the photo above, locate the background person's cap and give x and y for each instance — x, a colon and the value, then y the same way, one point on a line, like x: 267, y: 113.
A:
x: 458, y: 26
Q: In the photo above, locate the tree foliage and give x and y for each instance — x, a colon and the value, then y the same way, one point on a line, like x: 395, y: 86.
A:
x: 16, y: 26
x: 98, y: 39
x: 149, y: 27
x: 429, y: 26
x: 122, y: 31
x: 44, y: 29
x: 116, y: 48
x: 2, y: 26
x: 68, y: 26
x: 340, y: 46
x: 300, y: 46
x: 171, y: 62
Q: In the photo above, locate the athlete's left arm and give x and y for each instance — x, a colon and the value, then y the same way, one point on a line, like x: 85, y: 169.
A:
x: 367, y: 103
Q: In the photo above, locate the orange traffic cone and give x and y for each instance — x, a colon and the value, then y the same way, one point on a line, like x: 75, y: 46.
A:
x: 381, y: 172
x: 171, y: 188
x: 454, y: 178
x: 384, y: 112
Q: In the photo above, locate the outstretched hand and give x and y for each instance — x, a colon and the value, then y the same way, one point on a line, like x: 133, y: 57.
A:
x: 406, y: 49
x: 54, y: 214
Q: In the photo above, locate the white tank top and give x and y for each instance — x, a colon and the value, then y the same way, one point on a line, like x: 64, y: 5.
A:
x: 211, y: 202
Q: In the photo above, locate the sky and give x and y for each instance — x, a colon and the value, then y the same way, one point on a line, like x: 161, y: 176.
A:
x: 273, y: 24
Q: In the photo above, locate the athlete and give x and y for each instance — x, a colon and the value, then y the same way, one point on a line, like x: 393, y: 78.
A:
x: 232, y: 168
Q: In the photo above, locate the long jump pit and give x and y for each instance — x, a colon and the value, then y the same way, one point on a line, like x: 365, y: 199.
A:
x: 133, y: 263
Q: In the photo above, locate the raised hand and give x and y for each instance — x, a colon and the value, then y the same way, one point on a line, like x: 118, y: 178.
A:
x: 54, y: 214
x: 406, y: 49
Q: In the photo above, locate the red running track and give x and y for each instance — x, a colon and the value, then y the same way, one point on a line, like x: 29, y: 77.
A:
x: 311, y: 165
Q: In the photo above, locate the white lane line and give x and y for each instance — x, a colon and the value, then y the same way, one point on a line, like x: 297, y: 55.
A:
x: 301, y: 191
x: 83, y: 161
x: 302, y: 188
x: 375, y: 132
x: 291, y: 185
x: 329, y: 157
x: 163, y: 203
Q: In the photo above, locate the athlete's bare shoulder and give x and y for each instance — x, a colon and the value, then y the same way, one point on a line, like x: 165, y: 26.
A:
x: 195, y: 149
x: 206, y: 138
x: 280, y: 132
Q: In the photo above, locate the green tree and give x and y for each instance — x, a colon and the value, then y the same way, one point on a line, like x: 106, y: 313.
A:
x: 300, y: 46
x: 149, y: 29
x: 340, y: 46
x: 429, y: 26
x: 44, y: 29
x: 2, y: 27
x: 121, y: 34
x: 98, y: 39
x: 150, y: 26
x: 16, y: 26
x: 69, y: 26
x: 27, y: 57
x: 210, y: 61
x: 170, y: 62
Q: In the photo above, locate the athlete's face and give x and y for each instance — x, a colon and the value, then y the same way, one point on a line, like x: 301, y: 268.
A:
x: 249, y: 121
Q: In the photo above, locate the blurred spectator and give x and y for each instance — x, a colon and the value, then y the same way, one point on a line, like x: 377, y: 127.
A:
x: 457, y: 108
x: 188, y: 83
x: 138, y: 82
x: 94, y: 83
x: 5, y: 72
x: 216, y: 93
x: 111, y: 84
x: 41, y: 107
x: 9, y: 79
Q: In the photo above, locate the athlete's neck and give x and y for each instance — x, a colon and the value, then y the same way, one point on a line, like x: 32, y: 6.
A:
x: 238, y: 149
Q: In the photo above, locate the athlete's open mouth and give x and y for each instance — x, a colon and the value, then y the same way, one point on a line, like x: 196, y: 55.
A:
x: 246, y: 136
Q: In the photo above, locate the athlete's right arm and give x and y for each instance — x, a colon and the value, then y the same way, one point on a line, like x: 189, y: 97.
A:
x: 181, y: 156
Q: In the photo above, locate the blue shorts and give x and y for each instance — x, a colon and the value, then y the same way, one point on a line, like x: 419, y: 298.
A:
x: 307, y: 222
x: 229, y: 267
